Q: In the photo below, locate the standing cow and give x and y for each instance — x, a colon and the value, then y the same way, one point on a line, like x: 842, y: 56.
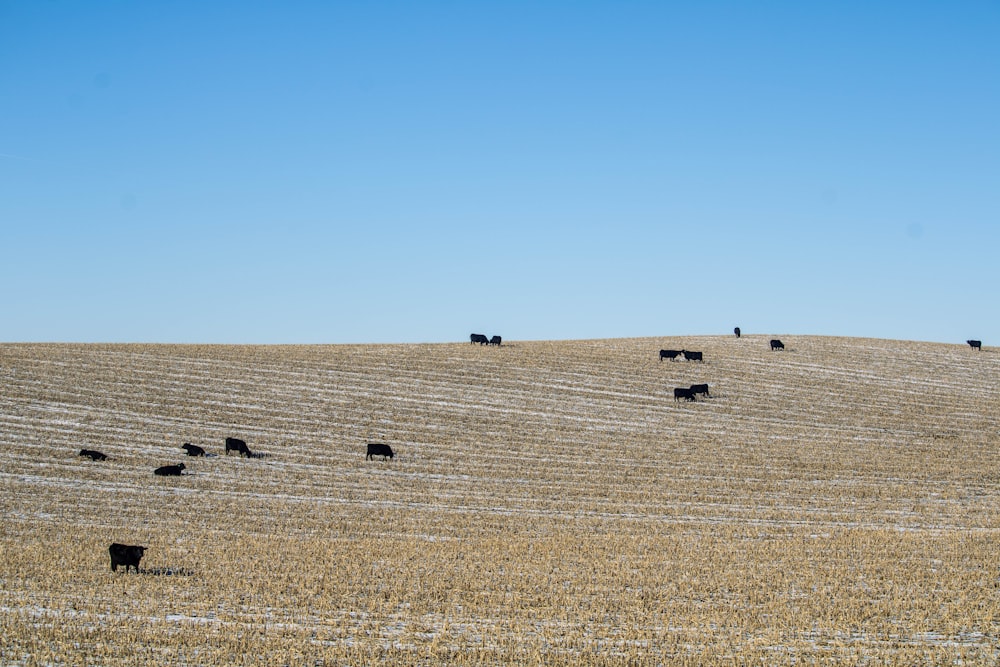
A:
x: 193, y: 450
x: 495, y: 341
x: 683, y: 392
x: 237, y: 445
x: 125, y: 554
x: 776, y: 345
x: 975, y: 344
x: 479, y: 338
x: 692, y: 356
x: 737, y: 332
x: 700, y: 389
x: 669, y: 354
x: 379, y: 449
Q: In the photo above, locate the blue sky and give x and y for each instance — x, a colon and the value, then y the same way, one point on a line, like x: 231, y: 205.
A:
x: 332, y: 172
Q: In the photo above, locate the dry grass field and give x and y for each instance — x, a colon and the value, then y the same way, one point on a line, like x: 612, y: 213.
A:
x: 550, y: 503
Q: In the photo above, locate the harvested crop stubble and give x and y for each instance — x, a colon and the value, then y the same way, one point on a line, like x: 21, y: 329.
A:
x: 549, y: 503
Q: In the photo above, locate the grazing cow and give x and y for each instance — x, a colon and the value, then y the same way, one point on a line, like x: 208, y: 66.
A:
x: 776, y: 345
x: 495, y: 341
x: 975, y: 344
x: 692, y: 356
x: 93, y: 454
x: 193, y: 450
x: 169, y: 471
x: 737, y: 332
x: 683, y: 392
x: 700, y: 389
x: 125, y: 554
x: 479, y: 338
x: 379, y: 449
x: 237, y: 445
x: 669, y: 354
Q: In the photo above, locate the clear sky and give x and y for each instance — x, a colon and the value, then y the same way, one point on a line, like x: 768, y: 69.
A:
x: 327, y: 172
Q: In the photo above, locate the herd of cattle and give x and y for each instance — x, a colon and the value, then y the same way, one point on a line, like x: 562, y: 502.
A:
x: 690, y: 393
x: 129, y: 555
x: 232, y: 445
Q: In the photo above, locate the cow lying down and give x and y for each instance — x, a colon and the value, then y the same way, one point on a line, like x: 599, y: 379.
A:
x: 169, y: 471
x: 193, y: 450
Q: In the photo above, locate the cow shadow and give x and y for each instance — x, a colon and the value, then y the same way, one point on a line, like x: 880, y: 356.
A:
x: 166, y: 571
x: 253, y: 455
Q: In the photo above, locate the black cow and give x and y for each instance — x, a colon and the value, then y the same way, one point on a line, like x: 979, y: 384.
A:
x: 479, y: 338
x: 169, y: 471
x: 776, y: 345
x: 94, y: 455
x: 737, y: 332
x: 692, y: 356
x: 669, y: 354
x: 379, y: 449
x: 193, y: 450
x: 700, y: 389
x: 495, y: 341
x: 683, y: 392
x: 125, y: 554
x: 237, y: 445
x: 975, y: 344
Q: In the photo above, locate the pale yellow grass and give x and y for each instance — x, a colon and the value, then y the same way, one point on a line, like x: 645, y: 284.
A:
x: 550, y: 504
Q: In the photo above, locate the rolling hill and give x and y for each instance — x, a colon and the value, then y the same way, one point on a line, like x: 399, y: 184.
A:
x: 549, y: 502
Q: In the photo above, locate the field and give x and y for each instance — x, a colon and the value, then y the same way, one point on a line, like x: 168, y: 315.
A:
x: 550, y: 503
